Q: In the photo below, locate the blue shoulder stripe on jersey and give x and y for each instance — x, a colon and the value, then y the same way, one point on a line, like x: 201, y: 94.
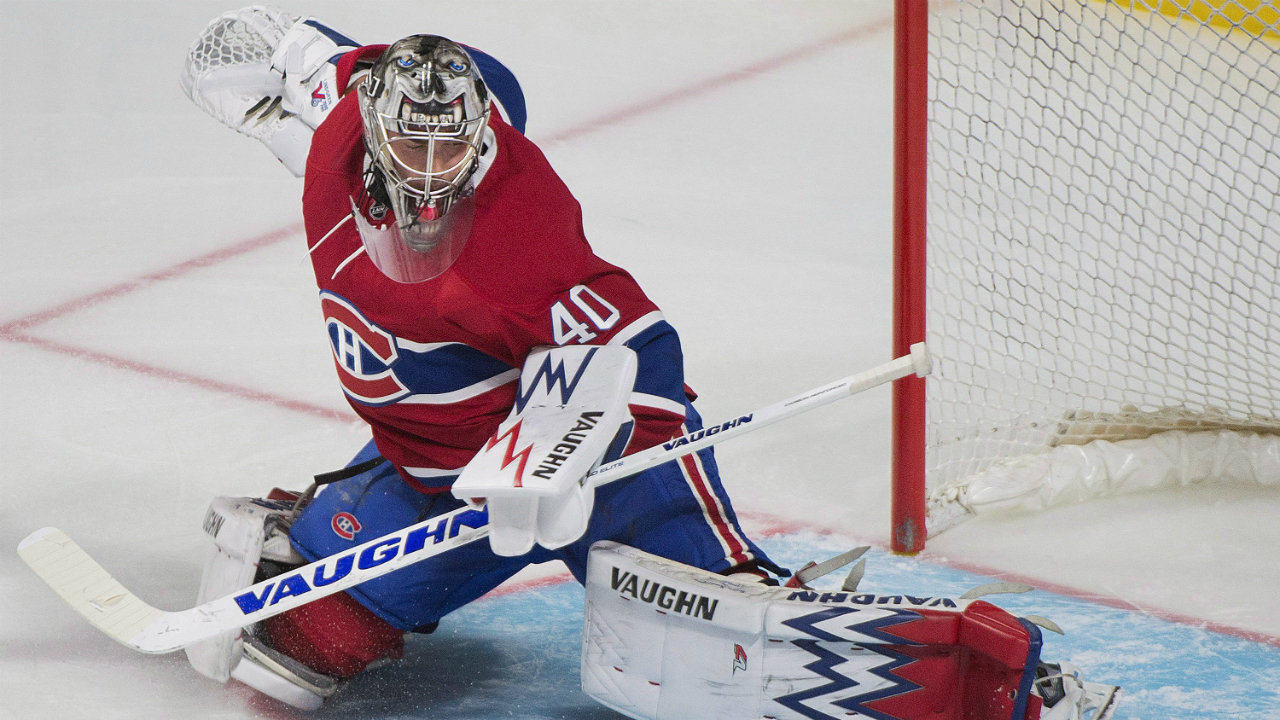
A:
x: 338, y: 38
x: 449, y: 368
x: 503, y: 85
x: 446, y: 369
x: 660, y: 361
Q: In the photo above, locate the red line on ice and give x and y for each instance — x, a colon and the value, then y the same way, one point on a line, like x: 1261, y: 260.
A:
x: 511, y: 588
x: 766, y: 524
x: 124, y: 288
x: 178, y: 376
x: 750, y: 72
x: 12, y: 331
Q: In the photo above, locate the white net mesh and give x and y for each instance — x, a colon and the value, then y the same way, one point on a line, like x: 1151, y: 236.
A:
x: 1104, y: 225
x: 228, y: 41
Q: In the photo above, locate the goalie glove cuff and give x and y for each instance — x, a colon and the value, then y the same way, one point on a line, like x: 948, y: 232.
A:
x: 307, y: 58
x: 290, y: 141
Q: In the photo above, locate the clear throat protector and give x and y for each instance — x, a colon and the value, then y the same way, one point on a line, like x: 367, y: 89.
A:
x: 420, y: 251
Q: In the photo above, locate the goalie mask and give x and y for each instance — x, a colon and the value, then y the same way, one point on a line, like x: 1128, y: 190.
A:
x: 425, y: 112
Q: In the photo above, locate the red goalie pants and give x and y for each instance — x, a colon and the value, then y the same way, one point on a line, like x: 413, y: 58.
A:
x: 334, y: 635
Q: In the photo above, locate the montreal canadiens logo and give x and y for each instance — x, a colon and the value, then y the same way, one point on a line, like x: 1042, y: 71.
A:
x: 345, y: 525
x: 363, y: 352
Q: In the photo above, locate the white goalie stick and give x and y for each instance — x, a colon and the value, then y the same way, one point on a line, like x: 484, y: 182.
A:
x: 111, y: 608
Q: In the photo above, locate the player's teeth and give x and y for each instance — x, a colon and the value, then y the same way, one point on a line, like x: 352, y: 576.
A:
x: 457, y: 113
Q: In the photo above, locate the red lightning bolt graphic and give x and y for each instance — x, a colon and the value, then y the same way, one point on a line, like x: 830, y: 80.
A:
x: 510, y: 455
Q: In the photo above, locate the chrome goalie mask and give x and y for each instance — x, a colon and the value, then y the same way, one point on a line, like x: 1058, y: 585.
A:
x: 425, y: 112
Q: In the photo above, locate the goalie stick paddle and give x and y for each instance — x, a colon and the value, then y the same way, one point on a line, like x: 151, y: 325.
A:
x: 109, y: 606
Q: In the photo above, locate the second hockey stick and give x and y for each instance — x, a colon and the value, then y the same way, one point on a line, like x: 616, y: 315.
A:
x: 116, y: 611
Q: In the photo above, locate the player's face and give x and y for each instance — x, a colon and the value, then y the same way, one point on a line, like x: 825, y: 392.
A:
x: 443, y: 158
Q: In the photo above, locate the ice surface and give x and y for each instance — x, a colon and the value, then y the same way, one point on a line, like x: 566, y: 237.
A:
x: 754, y: 209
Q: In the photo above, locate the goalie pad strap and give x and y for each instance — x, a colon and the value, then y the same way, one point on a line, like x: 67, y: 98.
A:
x: 349, y: 472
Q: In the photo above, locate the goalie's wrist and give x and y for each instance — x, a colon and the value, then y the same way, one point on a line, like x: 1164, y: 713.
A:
x: 306, y: 58
x: 305, y: 48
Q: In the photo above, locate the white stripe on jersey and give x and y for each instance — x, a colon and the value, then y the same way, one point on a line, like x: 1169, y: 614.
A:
x: 656, y: 401
x: 431, y: 473
x: 465, y: 393
x: 424, y: 347
x: 724, y: 531
x: 350, y: 257
x: 341, y: 222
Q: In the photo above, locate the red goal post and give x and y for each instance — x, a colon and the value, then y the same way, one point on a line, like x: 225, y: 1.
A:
x: 910, y: 186
x: 1087, y: 235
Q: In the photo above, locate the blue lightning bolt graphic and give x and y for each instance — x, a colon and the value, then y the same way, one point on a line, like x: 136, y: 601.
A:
x: 554, y: 376
x: 827, y: 661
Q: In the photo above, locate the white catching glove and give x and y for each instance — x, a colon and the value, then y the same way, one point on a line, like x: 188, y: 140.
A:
x: 310, y: 79
x: 266, y: 74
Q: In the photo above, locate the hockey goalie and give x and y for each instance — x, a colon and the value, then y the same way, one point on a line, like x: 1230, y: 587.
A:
x: 497, y: 360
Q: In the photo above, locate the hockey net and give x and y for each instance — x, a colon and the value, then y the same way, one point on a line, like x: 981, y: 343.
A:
x: 1103, y: 299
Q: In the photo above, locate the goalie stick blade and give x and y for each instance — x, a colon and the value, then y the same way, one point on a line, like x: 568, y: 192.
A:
x: 86, y: 587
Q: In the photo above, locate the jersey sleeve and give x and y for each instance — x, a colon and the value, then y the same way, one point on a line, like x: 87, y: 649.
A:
x: 657, y: 401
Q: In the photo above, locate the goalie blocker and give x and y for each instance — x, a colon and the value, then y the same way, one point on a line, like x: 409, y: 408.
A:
x: 664, y: 641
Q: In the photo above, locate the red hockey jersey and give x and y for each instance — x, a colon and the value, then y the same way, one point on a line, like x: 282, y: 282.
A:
x: 432, y: 366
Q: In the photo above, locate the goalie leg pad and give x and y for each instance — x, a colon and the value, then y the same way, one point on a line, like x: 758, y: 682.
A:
x: 665, y: 641
x: 239, y: 528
